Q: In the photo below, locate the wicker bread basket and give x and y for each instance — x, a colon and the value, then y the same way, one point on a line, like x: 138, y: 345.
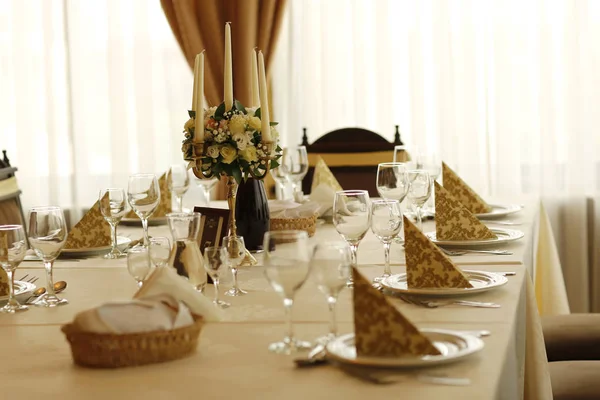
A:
x: 308, y: 224
x: 99, y: 350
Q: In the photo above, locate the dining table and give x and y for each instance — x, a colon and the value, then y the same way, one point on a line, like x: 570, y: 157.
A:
x: 232, y: 360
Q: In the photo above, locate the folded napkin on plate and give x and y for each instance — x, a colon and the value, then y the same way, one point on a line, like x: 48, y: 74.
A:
x: 453, y: 221
x: 426, y: 265
x: 91, y: 231
x: 380, y: 330
x: 165, y: 280
x: 323, y: 195
x: 291, y: 209
x: 153, y: 313
x: 463, y: 192
x: 324, y: 176
x: 165, y: 206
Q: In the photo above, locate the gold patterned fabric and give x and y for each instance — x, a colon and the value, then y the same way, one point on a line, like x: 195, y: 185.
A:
x: 323, y: 175
x: 453, y: 221
x: 90, y: 232
x: 463, y: 192
x: 426, y: 265
x: 165, y: 206
x: 380, y: 330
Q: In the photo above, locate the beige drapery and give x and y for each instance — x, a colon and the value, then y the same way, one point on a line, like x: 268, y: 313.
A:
x: 200, y: 24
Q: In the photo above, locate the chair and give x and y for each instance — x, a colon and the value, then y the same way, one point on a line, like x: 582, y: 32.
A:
x: 11, y: 210
x: 575, y: 380
x: 352, y: 154
x: 572, y: 337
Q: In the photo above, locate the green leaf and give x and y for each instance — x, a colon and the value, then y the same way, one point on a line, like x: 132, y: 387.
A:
x: 257, y: 112
x: 274, y: 164
x: 237, y: 174
x: 273, y: 123
x: 192, y: 113
x: 245, y: 175
x: 238, y: 106
x: 278, y: 149
x: 220, y: 112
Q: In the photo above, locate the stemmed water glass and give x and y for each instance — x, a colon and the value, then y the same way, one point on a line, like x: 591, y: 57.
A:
x: 294, y: 164
x: 113, y: 207
x: 178, y: 181
x: 13, y: 247
x: 215, y: 262
x: 419, y: 192
x: 236, y: 251
x: 392, y: 181
x: 138, y: 263
x: 206, y: 185
x: 287, y: 261
x: 160, y: 250
x: 143, y: 194
x: 281, y: 180
x: 386, y: 223
x: 331, y: 267
x: 352, y: 219
x: 47, y: 237
x: 432, y: 163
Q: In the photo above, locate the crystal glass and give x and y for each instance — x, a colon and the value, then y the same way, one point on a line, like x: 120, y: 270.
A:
x: 186, y: 257
x: 352, y: 219
x: 138, y: 263
x: 386, y: 223
x: 215, y: 263
x: 431, y: 162
x: 13, y: 246
x: 419, y: 191
x: 160, y: 251
x: 178, y: 181
x: 113, y: 206
x: 47, y: 237
x: 331, y: 267
x: 236, y: 251
x: 294, y: 163
x: 143, y: 194
x: 392, y: 181
x: 206, y: 185
x: 287, y: 261
x: 281, y: 179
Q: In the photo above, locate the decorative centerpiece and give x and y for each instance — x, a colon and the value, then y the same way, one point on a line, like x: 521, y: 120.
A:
x: 231, y: 140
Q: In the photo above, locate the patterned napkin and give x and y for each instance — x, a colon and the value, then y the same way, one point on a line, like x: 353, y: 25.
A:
x: 165, y: 206
x: 380, y: 330
x: 323, y: 175
x: 463, y: 192
x: 453, y: 221
x: 426, y: 265
x: 3, y: 257
x: 90, y: 232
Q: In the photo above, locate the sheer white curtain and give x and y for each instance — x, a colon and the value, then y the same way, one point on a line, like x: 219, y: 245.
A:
x: 90, y: 92
x: 505, y: 90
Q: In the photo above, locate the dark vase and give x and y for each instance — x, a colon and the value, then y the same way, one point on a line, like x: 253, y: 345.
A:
x: 252, y: 213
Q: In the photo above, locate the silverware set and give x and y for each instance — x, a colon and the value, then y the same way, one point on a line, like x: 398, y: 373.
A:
x: 460, y: 252
x: 442, y: 303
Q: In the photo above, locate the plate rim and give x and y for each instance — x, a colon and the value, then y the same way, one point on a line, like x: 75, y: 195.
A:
x: 502, y: 280
x: 475, y: 345
x: 27, y: 288
x: 479, y: 242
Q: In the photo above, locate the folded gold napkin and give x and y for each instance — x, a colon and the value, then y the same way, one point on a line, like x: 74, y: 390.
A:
x: 380, y: 330
x: 323, y: 175
x: 153, y: 313
x: 165, y: 206
x: 165, y: 280
x: 463, y: 192
x: 426, y: 265
x: 453, y: 221
x: 91, y: 231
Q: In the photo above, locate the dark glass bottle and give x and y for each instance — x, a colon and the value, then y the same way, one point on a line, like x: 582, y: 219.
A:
x: 252, y: 213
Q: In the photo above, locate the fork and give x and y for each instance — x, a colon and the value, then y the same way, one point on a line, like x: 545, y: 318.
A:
x: 460, y: 252
x: 436, y: 304
x: 496, y: 222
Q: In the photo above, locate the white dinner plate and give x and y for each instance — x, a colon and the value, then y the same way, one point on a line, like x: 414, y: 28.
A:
x: 122, y: 242
x: 480, y: 280
x: 503, y: 236
x: 23, y: 291
x: 454, y: 346
x: 500, y: 210
x: 138, y: 222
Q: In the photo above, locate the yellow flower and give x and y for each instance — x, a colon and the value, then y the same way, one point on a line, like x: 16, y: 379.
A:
x: 254, y: 123
x: 249, y: 154
x: 189, y: 124
x: 229, y: 154
x: 237, y: 124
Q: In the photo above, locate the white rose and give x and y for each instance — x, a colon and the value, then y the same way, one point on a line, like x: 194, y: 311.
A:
x: 241, y: 139
x: 254, y: 123
x: 237, y: 124
x: 274, y: 134
x: 213, y: 151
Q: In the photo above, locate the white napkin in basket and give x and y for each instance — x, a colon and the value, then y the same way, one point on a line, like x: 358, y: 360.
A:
x: 324, y: 196
x: 291, y: 209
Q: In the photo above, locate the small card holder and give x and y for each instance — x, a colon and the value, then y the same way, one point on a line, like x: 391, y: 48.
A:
x: 213, y: 226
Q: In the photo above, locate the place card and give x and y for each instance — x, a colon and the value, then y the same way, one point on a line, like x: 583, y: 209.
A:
x: 213, y: 226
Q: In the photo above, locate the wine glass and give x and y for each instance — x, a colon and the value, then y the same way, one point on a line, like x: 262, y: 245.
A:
x: 386, y: 223
x: 215, y: 261
x: 13, y: 246
x: 47, y: 237
x: 281, y: 180
x: 178, y: 181
x: 287, y: 261
x: 419, y: 191
x: 392, y: 181
x: 294, y: 163
x: 331, y: 267
x: 113, y: 207
x: 236, y: 251
x: 206, y: 185
x: 352, y: 219
x: 138, y: 263
x: 160, y: 250
x: 143, y: 194
x: 432, y: 163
